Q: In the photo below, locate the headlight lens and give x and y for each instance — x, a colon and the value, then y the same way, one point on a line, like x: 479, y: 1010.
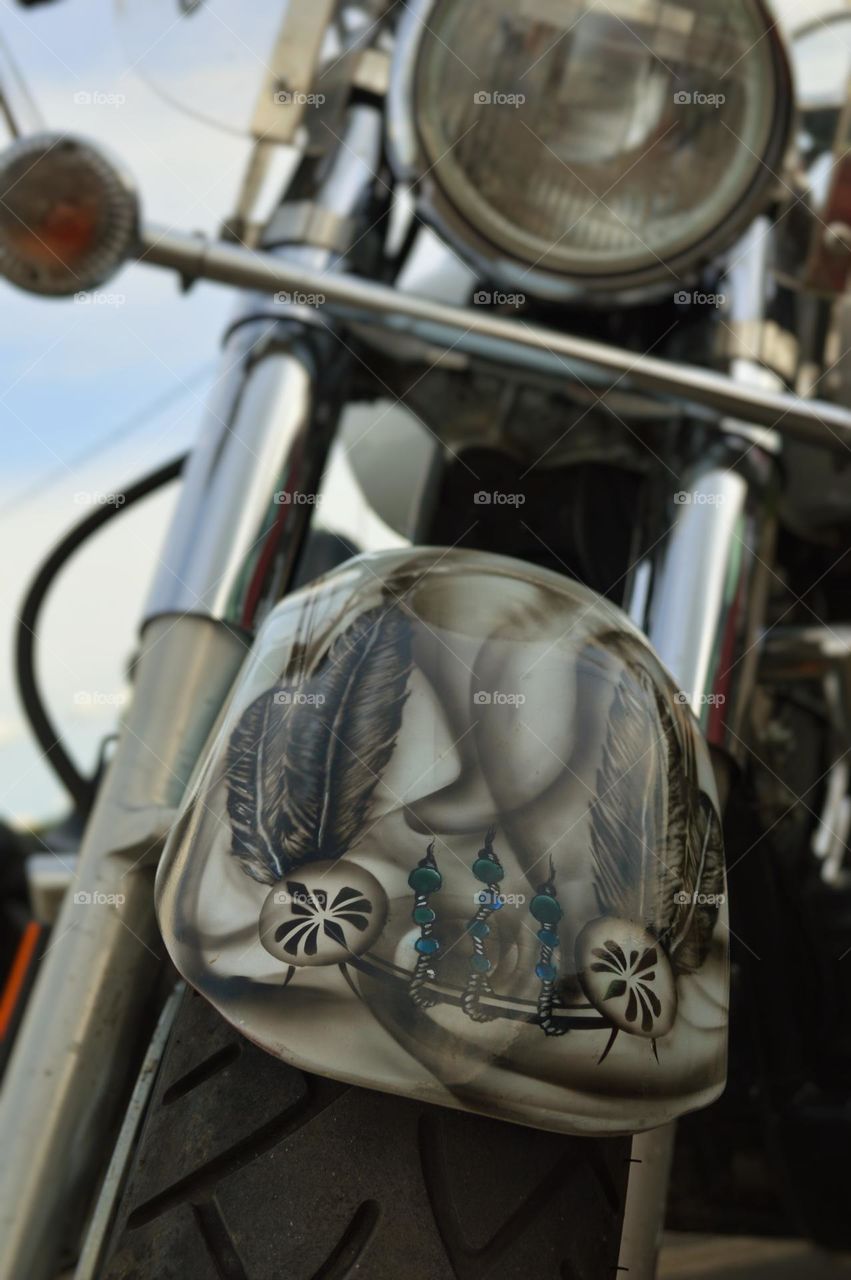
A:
x: 599, y: 138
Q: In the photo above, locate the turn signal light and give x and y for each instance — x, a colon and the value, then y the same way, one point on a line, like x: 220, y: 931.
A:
x: 68, y: 215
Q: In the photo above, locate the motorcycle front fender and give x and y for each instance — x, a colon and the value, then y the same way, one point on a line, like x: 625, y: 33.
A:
x: 458, y: 839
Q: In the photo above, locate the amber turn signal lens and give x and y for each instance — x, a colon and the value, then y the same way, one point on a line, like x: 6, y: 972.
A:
x: 68, y: 215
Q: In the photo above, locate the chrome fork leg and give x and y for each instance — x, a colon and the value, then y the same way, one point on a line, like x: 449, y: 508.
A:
x: 232, y: 550
x: 704, y: 607
x: 700, y: 599
x: 233, y: 545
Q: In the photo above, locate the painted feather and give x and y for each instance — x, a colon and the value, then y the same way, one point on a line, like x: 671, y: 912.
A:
x: 306, y: 795
x: 655, y: 836
x: 253, y: 771
x: 628, y: 813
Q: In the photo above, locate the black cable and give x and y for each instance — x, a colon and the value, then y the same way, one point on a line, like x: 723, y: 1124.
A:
x: 82, y: 789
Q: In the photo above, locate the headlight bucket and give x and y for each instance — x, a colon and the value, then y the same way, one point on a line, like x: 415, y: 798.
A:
x: 566, y: 150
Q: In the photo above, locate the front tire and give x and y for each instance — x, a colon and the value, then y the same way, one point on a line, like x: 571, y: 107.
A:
x: 248, y: 1169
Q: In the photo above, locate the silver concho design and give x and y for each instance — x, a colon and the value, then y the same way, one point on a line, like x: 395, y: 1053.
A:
x: 626, y: 974
x: 458, y: 821
x: 325, y: 915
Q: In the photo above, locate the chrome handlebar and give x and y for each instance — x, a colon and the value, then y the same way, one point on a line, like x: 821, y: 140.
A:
x: 30, y: 168
x: 494, y: 338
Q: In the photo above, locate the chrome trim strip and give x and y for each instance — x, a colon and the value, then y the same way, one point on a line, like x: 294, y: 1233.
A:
x: 97, y: 1235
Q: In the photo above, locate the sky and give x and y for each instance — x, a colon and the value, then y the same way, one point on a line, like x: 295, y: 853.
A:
x: 92, y: 394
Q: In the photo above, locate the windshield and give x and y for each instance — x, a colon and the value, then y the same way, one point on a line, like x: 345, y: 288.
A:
x: 819, y: 33
x: 210, y: 58
x: 213, y: 58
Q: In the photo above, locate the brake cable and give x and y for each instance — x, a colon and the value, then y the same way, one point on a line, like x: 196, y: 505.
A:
x: 81, y: 788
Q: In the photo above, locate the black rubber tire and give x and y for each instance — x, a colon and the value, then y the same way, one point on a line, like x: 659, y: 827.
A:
x: 247, y: 1169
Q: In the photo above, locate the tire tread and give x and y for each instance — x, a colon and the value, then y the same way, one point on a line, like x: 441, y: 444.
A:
x: 248, y: 1169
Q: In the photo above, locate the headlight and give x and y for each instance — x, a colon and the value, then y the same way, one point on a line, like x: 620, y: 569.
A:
x: 604, y: 143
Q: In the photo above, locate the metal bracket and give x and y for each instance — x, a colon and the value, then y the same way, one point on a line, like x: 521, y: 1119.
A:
x: 305, y: 222
x: 285, y: 92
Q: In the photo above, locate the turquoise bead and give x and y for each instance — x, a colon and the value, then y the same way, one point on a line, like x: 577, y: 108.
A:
x: 427, y: 946
x: 487, y: 871
x: 481, y: 964
x: 548, y: 937
x: 478, y: 928
x: 545, y: 908
x: 425, y: 879
x: 424, y: 915
x: 546, y: 972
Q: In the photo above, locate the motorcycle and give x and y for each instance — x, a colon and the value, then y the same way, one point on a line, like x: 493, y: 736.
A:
x: 399, y: 941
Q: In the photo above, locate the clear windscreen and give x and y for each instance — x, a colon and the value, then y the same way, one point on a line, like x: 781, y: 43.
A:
x: 209, y: 58
x: 819, y: 36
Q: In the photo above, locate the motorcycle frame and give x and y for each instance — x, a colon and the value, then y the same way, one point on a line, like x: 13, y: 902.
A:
x: 273, y: 416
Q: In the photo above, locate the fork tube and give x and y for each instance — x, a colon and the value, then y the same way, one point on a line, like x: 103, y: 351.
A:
x: 235, y: 538
x: 98, y: 982
x: 232, y: 546
x: 701, y: 601
x: 703, y: 595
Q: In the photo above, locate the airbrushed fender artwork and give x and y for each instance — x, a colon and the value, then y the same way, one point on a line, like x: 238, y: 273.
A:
x: 457, y: 837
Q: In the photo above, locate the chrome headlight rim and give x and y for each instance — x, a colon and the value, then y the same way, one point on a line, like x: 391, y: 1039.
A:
x: 410, y: 164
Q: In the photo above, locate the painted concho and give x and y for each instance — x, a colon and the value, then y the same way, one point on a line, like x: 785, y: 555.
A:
x: 458, y: 838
